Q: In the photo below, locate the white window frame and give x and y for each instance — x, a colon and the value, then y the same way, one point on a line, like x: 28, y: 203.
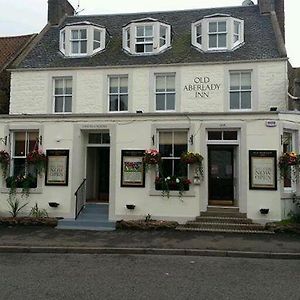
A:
x: 173, y: 158
x: 131, y: 29
x: 144, y: 37
x: 217, y: 33
x: 78, y: 40
x: 240, y: 90
x: 118, y: 93
x: 293, y: 134
x: 12, y: 148
x: 62, y: 95
x: 165, y: 92
x: 204, y: 23
x: 67, y: 30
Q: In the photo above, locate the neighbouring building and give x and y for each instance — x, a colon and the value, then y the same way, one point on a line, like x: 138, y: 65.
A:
x: 95, y: 92
x: 10, y: 49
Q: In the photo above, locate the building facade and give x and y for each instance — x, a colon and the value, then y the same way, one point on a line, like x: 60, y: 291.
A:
x: 94, y: 92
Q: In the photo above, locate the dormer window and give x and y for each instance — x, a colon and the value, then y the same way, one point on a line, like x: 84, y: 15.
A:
x: 146, y: 36
x: 218, y: 33
x: 82, y: 39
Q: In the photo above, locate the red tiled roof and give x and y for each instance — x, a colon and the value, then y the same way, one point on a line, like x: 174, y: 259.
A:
x: 11, y: 46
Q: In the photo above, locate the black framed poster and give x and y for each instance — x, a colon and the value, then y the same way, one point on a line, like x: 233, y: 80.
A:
x: 132, y: 168
x: 263, y: 169
x: 57, y: 171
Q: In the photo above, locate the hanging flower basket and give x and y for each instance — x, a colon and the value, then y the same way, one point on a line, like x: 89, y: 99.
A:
x: 152, y: 157
x: 193, y: 158
x: 289, y: 165
x: 38, y: 159
x: 4, y: 161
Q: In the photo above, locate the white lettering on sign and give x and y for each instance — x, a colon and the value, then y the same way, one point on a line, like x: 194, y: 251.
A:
x: 271, y: 123
x: 202, y: 87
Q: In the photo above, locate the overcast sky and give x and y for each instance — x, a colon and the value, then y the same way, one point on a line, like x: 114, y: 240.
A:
x: 28, y: 16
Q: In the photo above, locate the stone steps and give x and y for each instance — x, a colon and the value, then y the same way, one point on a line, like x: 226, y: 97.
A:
x: 223, y: 219
x: 92, y: 217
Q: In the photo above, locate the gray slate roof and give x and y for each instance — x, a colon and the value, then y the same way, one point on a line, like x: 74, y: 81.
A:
x: 260, y: 41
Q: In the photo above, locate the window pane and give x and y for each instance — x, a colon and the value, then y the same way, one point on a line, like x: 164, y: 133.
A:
x: 113, y: 84
x: 59, y: 104
x: 139, y: 48
x: 180, y: 143
x: 58, y: 87
x: 83, y: 47
x: 33, y: 140
x: 246, y: 100
x: 96, y: 45
x: 167, y: 167
x: 123, y: 85
x: 97, y: 35
x: 105, y: 138
x: 19, y: 167
x: 234, y: 81
x: 170, y: 82
x: 165, y: 143
x: 75, y: 47
x: 287, y: 141
x: 212, y: 41
x: 221, y: 26
x: 230, y: 135
x: 123, y: 102
x: 246, y: 81
x: 20, y: 138
x: 180, y: 170
x: 235, y: 38
x: 212, y: 27
x: 113, y: 103
x: 68, y: 86
x: 170, y: 101
x: 68, y: 104
x: 222, y: 40
x: 95, y: 138
x: 83, y: 34
x: 160, y: 83
x: 199, y: 30
x: 160, y: 102
x: 234, y: 100
x: 149, y: 48
x: 74, y: 34
x: 215, y: 135
x: 148, y: 30
x: 236, y: 28
x: 140, y: 30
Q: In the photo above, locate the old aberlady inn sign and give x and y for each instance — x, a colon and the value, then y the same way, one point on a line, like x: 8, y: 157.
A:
x: 202, y: 87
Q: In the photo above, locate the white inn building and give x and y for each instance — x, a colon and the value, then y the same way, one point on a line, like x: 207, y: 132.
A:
x: 96, y: 91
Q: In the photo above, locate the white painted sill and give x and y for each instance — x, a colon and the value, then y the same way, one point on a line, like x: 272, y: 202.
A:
x: 37, y: 190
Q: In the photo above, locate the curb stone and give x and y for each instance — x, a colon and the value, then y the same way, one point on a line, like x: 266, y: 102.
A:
x: 148, y: 251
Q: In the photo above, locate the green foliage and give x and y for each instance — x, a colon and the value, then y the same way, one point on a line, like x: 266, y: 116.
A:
x: 15, y: 205
x: 38, y: 213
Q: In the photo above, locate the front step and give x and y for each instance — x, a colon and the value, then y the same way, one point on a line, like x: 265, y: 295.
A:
x: 92, y: 217
x: 219, y: 219
x: 183, y: 228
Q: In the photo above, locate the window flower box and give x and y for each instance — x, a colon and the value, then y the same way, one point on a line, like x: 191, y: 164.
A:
x: 180, y: 184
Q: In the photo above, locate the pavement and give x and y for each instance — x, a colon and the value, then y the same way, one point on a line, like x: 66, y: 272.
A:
x: 50, y: 240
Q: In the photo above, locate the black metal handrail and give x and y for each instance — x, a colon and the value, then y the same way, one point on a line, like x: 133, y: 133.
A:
x: 80, y: 195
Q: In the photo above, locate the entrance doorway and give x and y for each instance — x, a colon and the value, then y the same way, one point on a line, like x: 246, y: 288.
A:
x: 221, y: 175
x: 97, y: 174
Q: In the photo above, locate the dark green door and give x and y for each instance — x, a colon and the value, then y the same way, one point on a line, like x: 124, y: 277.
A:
x: 220, y: 174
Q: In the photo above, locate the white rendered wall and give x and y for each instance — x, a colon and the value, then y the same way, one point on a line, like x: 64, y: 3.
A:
x: 32, y: 91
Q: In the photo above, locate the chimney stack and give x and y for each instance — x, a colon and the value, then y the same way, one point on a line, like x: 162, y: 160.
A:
x: 57, y: 9
x: 277, y: 6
